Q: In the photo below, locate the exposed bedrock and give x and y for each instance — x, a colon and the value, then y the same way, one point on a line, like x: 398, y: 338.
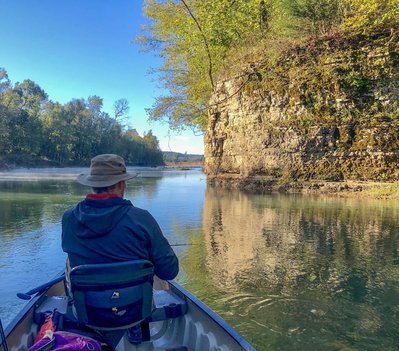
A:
x: 334, y: 117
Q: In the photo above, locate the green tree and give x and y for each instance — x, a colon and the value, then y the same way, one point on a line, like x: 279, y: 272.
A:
x: 316, y: 16
x: 201, y: 41
x: 4, y: 80
x: 150, y: 140
x: 194, y: 39
x: 32, y: 127
x: 20, y: 118
x: 32, y: 96
x: 57, y: 126
x: 82, y: 126
x: 94, y: 105
x: 8, y: 113
x: 4, y: 112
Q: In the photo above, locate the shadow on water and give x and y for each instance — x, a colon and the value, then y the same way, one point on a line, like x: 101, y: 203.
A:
x: 300, y: 272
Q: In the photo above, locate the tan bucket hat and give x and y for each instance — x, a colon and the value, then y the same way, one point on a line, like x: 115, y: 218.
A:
x: 105, y: 170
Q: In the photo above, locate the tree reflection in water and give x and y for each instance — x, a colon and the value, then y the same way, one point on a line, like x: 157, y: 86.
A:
x: 301, y: 272
x: 288, y: 272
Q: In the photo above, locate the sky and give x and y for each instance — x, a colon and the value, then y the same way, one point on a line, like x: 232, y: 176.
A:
x: 79, y: 48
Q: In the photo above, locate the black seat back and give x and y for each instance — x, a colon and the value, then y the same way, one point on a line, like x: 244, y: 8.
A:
x: 112, y: 295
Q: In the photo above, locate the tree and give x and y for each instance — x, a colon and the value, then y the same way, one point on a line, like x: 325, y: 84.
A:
x: 95, y: 105
x: 320, y: 16
x: 58, y: 144
x: 20, y: 118
x: 4, y: 81
x: 32, y: 96
x: 194, y: 39
x: 121, y: 109
x: 33, y: 126
x: 150, y: 140
x: 199, y: 40
x: 4, y: 112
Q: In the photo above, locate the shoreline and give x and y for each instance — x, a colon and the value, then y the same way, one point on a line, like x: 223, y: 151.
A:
x: 347, y: 188
x: 7, y: 167
x: 266, y: 184
x: 12, y: 166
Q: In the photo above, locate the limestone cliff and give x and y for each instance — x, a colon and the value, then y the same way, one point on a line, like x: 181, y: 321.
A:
x: 326, y: 110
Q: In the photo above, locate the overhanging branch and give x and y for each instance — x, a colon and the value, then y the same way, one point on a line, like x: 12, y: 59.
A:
x: 210, y: 73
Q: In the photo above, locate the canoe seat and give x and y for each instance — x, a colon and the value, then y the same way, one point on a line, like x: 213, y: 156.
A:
x: 111, y: 298
x: 166, y: 305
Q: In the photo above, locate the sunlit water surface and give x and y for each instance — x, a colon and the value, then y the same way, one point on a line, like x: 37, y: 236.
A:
x: 288, y: 272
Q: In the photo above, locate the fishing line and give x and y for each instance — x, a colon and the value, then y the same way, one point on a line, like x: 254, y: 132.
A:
x: 183, y: 244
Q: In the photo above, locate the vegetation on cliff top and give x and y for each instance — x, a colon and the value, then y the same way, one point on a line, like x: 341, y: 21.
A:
x: 203, y: 40
x: 336, y: 80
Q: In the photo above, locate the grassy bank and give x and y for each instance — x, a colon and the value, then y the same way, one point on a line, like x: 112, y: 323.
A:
x: 185, y: 164
x: 376, y: 191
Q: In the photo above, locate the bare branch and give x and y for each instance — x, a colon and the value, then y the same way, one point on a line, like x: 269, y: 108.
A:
x: 121, y: 108
x: 210, y: 74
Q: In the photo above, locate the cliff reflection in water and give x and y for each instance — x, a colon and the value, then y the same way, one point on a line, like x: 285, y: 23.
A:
x: 317, y: 273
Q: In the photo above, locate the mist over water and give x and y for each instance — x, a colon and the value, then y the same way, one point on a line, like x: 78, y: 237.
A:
x: 288, y: 272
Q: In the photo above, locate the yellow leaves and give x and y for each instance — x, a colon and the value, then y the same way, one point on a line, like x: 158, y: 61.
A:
x: 367, y: 14
x: 226, y: 33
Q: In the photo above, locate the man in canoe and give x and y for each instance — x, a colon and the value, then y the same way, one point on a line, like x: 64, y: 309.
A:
x: 106, y: 228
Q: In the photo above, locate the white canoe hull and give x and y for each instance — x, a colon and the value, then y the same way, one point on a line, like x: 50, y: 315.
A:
x: 199, y: 329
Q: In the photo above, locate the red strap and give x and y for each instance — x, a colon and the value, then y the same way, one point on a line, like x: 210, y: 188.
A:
x: 102, y: 196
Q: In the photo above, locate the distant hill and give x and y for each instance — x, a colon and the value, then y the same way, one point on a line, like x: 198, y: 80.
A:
x: 170, y: 156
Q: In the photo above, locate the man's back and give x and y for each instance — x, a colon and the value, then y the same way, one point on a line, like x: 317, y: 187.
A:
x: 106, y: 228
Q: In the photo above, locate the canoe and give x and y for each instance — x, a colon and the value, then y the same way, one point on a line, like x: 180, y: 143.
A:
x: 197, y: 328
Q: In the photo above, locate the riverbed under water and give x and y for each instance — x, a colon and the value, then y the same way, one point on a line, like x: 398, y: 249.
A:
x: 288, y: 272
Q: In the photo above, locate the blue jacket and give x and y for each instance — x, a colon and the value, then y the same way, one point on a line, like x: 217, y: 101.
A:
x: 112, y: 230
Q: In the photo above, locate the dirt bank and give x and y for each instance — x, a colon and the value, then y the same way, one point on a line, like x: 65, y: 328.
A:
x: 259, y: 184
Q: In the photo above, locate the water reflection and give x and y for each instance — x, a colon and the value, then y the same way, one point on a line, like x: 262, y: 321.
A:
x: 288, y: 272
x: 306, y: 273
x: 32, y: 204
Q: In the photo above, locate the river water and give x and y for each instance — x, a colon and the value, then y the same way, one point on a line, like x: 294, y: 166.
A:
x: 288, y: 272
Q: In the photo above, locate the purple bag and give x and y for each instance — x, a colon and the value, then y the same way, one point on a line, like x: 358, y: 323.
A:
x: 65, y: 341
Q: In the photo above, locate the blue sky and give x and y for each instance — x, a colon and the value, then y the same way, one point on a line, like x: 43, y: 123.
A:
x: 79, y: 48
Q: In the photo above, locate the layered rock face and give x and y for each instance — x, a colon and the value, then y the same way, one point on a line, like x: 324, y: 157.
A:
x: 334, y: 118
x: 241, y: 144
